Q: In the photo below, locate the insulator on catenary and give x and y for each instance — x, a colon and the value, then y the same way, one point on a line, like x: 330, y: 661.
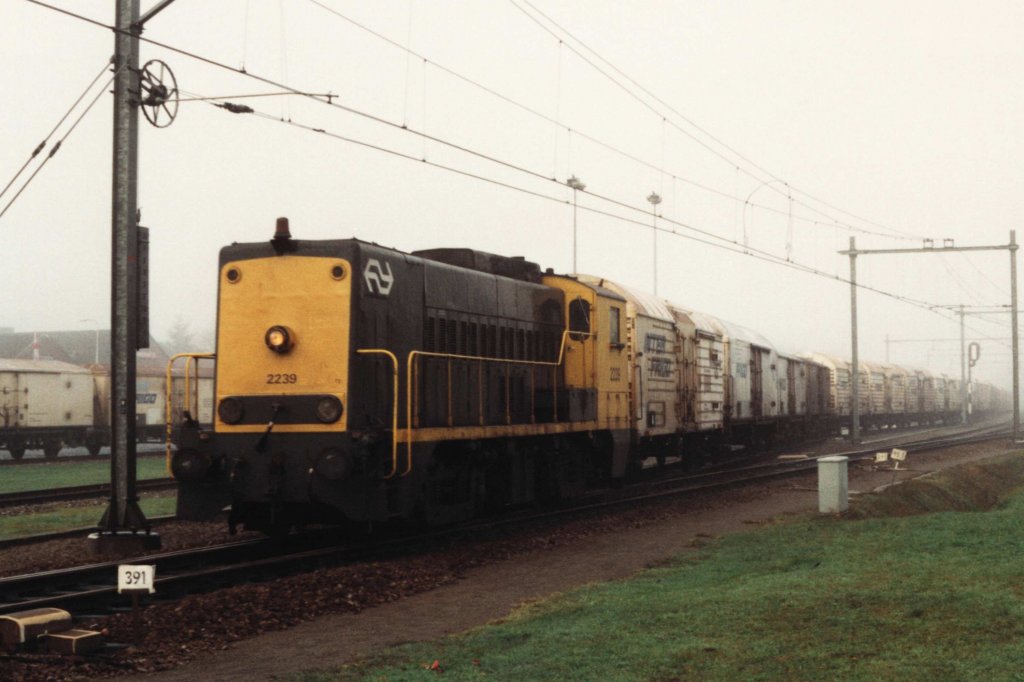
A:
x: 235, y: 108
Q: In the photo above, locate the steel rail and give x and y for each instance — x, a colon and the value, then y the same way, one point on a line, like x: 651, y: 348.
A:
x: 81, y: 532
x: 94, y: 585
x: 39, y: 461
x: 78, y: 492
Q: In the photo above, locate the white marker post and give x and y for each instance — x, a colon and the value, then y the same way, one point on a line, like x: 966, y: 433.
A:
x: 833, y: 495
x: 897, y: 456
x: 136, y: 579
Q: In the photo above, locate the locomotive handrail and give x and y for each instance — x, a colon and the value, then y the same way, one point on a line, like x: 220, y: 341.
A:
x: 410, y: 392
x: 169, y: 393
x: 394, y: 407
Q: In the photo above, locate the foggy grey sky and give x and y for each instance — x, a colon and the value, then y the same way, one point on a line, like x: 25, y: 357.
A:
x: 906, y: 115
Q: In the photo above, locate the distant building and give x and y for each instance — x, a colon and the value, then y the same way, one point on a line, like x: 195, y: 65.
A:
x: 79, y: 347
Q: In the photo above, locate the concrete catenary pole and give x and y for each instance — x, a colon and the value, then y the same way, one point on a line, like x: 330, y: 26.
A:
x: 123, y: 517
x: 854, y: 365
x: 1013, y: 325
x: 963, y: 369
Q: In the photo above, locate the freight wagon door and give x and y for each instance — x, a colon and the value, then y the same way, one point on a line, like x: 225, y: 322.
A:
x: 711, y: 378
x: 657, y: 375
x: 8, y: 399
x: 756, y: 381
x: 686, y: 362
x: 792, y: 386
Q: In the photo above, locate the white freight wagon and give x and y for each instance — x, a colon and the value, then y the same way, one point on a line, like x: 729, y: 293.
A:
x: 44, y: 404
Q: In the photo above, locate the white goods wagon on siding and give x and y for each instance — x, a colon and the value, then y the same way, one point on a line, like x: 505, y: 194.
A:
x: 44, y: 404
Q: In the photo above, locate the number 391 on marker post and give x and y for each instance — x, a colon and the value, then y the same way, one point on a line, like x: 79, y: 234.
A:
x: 138, y: 578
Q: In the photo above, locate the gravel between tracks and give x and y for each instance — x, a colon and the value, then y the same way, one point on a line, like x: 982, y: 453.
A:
x: 334, y: 615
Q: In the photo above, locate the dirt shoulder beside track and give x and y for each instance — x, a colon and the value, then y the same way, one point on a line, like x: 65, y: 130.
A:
x: 595, y: 550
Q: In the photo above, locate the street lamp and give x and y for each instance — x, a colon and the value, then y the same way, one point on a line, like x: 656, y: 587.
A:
x: 577, y: 186
x: 654, y: 200
x: 96, y: 329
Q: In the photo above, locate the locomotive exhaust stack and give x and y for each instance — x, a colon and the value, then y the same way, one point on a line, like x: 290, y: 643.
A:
x: 282, y: 241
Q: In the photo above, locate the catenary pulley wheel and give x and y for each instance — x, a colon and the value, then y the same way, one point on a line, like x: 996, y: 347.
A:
x: 158, y: 90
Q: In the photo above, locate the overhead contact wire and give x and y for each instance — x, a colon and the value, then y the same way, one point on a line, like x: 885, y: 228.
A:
x: 656, y: 98
x: 212, y: 62
x: 55, y: 148
x: 42, y: 145
x: 328, y: 99
x: 751, y: 252
x: 832, y: 222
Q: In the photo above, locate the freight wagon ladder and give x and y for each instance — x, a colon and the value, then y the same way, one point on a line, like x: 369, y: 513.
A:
x: 191, y: 387
x: 412, y: 406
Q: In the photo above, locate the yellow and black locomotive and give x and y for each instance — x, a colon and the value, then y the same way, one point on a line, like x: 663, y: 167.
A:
x: 356, y: 383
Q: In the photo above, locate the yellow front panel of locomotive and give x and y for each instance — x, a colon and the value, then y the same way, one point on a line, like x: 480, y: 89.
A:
x: 311, y: 298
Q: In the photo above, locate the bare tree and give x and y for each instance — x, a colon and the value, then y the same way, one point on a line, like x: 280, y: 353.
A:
x: 180, y: 338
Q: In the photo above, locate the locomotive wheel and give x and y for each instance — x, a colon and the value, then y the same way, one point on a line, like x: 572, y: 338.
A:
x: 51, y: 449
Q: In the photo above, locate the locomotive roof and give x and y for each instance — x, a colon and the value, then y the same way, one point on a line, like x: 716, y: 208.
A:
x: 731, y: 330
x: 515, y: 267
x: 646, y: 303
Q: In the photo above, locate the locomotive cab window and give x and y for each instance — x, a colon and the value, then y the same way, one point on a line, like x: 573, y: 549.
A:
x: 579, y: 319
x: 614, y: 337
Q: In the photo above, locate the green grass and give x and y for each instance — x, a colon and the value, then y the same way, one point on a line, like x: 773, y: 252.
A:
x: 67, y: 472
x: 75, y: 517
x: 927, y: 597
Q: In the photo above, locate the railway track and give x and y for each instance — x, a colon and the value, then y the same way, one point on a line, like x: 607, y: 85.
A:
x: 7, y: 461
x: 93, y: 587
x: 78, y: 492
x: 80, y: 532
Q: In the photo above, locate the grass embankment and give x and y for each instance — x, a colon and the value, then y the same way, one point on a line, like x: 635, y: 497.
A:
x: 929, y: 594
x: 67, y: 472
x: 74, y: 517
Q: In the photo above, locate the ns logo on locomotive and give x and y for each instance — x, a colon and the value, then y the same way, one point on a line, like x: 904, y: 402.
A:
x: 358, y: 384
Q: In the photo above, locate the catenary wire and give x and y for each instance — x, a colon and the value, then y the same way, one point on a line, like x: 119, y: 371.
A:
x: 730, y: 246
x: 328, y: 100
x: 42, y: 145
x: 56, y: 147
x: 317, y: 98
x: 745, y: 251
x: 897, y: 234
x: 832, y: 222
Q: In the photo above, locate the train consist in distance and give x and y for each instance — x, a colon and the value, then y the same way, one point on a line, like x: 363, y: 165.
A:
x: 358, y: 384
x: 49, y: 405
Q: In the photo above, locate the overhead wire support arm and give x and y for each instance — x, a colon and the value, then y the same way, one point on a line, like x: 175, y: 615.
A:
x: 946, y: 247
x: 155, y: 10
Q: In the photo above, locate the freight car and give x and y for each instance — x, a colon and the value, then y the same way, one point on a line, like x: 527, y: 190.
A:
x: 358, y: 384
x: 44, y: 404
x: 49, y: 405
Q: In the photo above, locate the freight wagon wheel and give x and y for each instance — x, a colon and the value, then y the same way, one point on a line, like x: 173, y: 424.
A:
x: 17, y: 449
x: 93, y: 448
x: 51, y: 449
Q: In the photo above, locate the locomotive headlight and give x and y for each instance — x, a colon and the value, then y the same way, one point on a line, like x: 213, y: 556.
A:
x: 328, y: 409
x: 279, y: 339
x: 230, y: 410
